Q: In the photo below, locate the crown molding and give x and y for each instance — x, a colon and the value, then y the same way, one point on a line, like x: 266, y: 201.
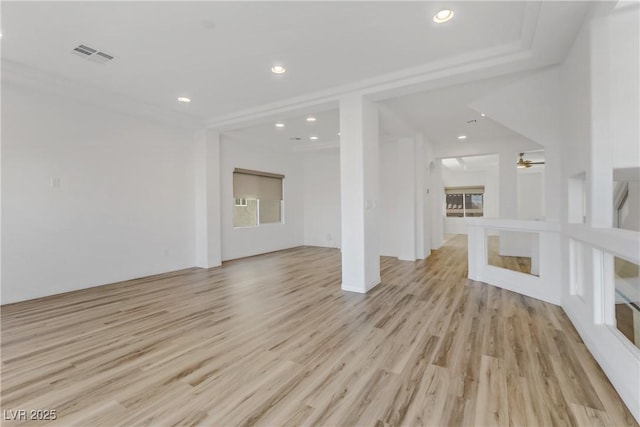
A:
x: 537, y: 47
x: 332, y: 145
x: 507, y: 58
x: 377, y: 88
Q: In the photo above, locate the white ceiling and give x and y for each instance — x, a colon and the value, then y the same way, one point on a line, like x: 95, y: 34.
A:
x: 441, y: 115
x: 326, y: 128
x: 220, y: 53
x: 490, y: 162
x: 471, y: 163
x: 444, y: 114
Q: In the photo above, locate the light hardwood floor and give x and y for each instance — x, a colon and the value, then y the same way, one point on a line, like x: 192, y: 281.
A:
x: 272, y: 340
x: 515, y: 263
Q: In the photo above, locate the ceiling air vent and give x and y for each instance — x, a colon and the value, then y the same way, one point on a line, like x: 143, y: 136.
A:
x: 85, y: 50
x: 92, y: 54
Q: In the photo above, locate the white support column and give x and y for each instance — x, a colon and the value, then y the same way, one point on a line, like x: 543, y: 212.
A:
x: 405, y: 226
x: 508, y: 179
x: 423, y: 235
x: 552, y: 179
x: 600, y: 178
x: 207, y: 183
x: 436, y: 199
x: 359, y: 164
x: 508, y: 198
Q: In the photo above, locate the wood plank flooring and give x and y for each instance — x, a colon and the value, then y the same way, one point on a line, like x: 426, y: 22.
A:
x: 272, y: 340
x: 514, y: 263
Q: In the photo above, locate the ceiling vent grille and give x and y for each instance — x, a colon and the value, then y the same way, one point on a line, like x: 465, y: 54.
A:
x: 92, y: 54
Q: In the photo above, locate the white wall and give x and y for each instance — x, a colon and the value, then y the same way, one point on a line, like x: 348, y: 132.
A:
x: 322, y: 198
x: 407, y: 227
x: 397, y: 200
x: 585, y: 114
x: 434, y: 219
x: 625, y: 86
x: 460, y: 178
x: 531, y: 107
x: 590, y: 81
x: 242, y: 242
x: 521, y: 197
x: 527, y: 105
x: 389, y: 197
x: 124, y: 207
x: 531, y: 198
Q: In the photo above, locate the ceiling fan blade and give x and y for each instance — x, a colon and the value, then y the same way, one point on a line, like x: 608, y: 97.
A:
x: 522, y: 163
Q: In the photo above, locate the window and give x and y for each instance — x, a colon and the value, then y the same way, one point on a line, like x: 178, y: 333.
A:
x: 464, y: 201
x: 257, y: 198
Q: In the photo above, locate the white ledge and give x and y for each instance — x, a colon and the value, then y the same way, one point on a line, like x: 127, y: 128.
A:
x: 514, y: 224
x: 619, y: 242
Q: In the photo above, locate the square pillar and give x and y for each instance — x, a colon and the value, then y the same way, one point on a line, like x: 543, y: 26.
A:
x: 207, y: 186
x: 435, y: 218
x: 406, y: 203
x: 359, y: 164
x: 508, y: 180
x: 423, y: 230
x: 508, y: 198
x: 600, y: 173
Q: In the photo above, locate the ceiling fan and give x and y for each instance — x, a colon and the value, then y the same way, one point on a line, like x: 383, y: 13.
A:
x: 522, y: 163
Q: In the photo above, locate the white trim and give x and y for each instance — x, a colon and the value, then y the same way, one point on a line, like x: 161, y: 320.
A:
x: 359, y: 289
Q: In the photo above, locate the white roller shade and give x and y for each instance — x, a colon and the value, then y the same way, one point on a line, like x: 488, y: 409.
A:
x: 248, y: 184
x: 464, y: 190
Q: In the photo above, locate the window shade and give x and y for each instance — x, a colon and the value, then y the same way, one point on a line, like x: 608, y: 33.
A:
x: 248, y: 184
x: 464, y: 190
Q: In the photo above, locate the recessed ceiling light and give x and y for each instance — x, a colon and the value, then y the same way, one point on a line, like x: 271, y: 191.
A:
x: 483, y: 115
x: 338, y: 133
x: 279, y: 125
x: 278, y: 69
x: 311, y: 119
x: 462, y: 137
x: 313, y: 137
x: 443, y: 16
x: 184, y: 99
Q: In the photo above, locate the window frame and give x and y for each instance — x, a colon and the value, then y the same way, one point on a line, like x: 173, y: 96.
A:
x: 244, y: 200
x: 464, y: 192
